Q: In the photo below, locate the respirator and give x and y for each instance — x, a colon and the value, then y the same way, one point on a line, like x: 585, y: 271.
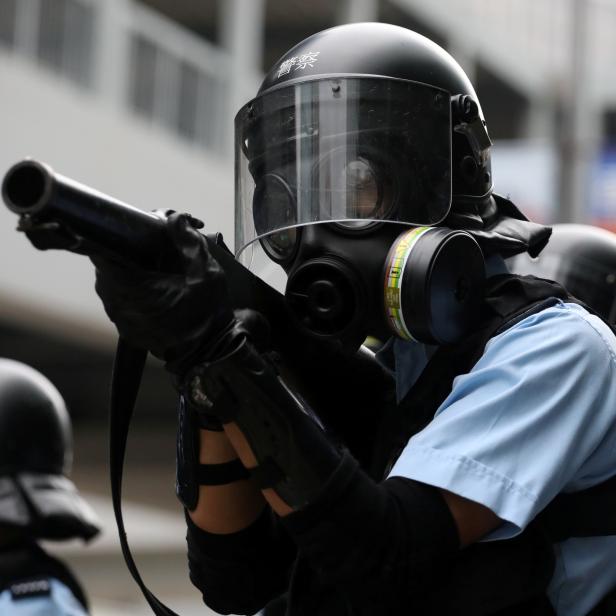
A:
x: 418, y: 283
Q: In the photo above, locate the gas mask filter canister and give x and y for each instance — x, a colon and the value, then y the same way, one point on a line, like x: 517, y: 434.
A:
x: 433, y: 283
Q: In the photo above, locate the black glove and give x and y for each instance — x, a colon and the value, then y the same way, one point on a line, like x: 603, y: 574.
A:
x: 183, y: 318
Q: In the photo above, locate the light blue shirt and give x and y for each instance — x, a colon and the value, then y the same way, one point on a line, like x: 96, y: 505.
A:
x: 535, y: 416
x: 59, y: 602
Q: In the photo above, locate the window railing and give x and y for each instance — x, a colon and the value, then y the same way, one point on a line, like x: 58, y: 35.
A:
x: 160, y: 72
x: 177, y: 81
x: 58, y: 34
x: 8, y: 9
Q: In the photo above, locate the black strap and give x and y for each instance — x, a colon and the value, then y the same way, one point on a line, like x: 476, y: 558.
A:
x: 586, y: 513
x: 508, y: 299
x: 220, y: 474
x: 605, y: 607
x: 267, y: 474
x: 127, y: 371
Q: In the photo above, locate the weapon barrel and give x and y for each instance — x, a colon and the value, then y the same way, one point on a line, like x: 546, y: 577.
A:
x: 38, y: 195
x: 34, y: 191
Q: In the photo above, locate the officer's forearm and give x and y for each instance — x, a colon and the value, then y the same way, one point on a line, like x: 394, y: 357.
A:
x: 292, y: 454
x: 230, y: 507
x: 238, y: 555
x: 246, y: 455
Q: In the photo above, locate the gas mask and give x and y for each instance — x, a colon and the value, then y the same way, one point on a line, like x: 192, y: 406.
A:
x: 342, y: 183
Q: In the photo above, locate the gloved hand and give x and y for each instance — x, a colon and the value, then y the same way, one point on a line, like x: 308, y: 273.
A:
x: 180, y: 317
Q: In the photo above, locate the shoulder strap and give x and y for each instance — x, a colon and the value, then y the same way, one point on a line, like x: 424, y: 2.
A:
x: 586, y: 513
x: 508, y: 299
x: 127, y: 371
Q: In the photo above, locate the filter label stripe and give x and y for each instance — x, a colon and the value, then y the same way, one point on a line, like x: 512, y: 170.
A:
x: 397, y: 259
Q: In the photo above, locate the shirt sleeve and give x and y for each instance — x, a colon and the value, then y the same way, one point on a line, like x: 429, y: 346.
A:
x: 534, y: 417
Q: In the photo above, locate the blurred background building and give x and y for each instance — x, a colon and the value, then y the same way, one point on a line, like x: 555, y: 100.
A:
x: 138, y: 98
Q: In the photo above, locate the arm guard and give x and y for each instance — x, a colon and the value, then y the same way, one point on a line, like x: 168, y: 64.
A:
x: 190, y: 473
x: 294, y: 456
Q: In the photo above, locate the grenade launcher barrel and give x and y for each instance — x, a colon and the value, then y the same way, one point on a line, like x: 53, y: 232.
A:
x: 58, y: 212
x: 84, y: 217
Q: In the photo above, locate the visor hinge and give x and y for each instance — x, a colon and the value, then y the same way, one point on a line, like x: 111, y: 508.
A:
x: 468, y: 122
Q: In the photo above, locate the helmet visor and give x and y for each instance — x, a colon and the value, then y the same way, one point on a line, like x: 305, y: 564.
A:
x: 353, y: 151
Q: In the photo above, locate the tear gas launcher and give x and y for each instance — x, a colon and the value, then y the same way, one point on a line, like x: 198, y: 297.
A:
x: 58, y: 212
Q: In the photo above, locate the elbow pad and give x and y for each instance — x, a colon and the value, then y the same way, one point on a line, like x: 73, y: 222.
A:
x: 294, y: 455
x: 239, y: 573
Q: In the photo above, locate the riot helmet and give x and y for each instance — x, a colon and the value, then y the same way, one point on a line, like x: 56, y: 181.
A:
x: 38, y: 498
x: 583, y: 259
x: 359, y: 126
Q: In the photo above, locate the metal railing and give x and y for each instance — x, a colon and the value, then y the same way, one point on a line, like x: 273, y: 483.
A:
x: 58, y: 34
x: 130, y: 57
x: 177, y: 80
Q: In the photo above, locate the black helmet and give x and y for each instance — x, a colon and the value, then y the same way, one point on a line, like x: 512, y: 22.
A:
x: 36, y: 458
x: 384, y: 50
x: 583, y: 259
x: 359, y: 126
x: 368, y: 122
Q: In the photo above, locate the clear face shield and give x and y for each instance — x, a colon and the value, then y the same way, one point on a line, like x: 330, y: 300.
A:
x: 354, y: 151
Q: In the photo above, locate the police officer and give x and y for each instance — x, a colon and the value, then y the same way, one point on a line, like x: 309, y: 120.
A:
x: 583, y: 259
x: 431, y: 485
x: 38, y: 501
